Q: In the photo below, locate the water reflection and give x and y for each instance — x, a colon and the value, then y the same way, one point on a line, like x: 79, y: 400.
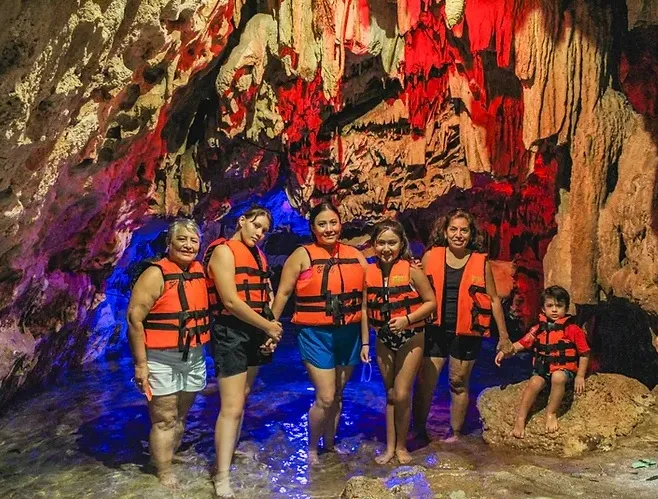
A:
x: 87, y: 436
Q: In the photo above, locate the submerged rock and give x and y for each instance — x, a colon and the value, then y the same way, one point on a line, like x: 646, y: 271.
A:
x: 611, y: 407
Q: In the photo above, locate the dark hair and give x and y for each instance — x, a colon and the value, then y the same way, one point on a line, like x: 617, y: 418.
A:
x: 255, y: 211
x: 397, y: 229
x: 321, y: 208
x: 558, y: 293
x: 438, y: 234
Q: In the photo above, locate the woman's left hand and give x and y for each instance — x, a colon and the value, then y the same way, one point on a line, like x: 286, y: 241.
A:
x: 268, y: 347
x: 398, y: 324
x: 505, y: 346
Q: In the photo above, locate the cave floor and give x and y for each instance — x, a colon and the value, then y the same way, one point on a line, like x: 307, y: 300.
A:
x: 86, y: 436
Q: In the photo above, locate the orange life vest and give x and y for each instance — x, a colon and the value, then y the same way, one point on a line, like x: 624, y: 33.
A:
x: 552, y: 351
x: 395, y: 299
x: 473, y: 302
x: 179, y: 318
x: 252, y: 278
x: 332, y: 296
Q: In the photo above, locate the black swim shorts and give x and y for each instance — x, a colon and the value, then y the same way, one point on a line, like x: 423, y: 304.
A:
x: 442, y: 343
x: 236, y: 346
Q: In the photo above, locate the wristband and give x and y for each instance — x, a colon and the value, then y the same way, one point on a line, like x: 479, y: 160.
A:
x: 365, y: 344
x: 408, y: 320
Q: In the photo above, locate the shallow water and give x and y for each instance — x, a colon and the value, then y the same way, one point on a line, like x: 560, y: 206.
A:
x: 87, y: 436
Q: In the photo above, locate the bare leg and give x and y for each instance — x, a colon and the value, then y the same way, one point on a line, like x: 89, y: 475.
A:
x: 407, y: 360
x: 185, y: 403
x: 232, y: 391
x: 558, y: 383
x: 343, y: 374
x: 324, y: 381
x: 164, y: 416
x: 532, y: 389
x: 428, y: 375
x: 460, y: 373
x: 252, y: 372
x: 386, y: 363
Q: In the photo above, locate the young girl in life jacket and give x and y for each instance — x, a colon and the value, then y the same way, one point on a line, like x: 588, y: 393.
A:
x: 243, y: 329
x: 327, y: 279
x: 561, y: 354
x: 397, y: 298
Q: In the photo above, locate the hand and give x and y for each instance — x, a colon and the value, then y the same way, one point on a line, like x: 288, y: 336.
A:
x: 499, y: 358
x: 274, y: 330
x: 505, y: 346
x: 365, y: 354
x: 268, y: 347
x: 142, y: 377
x: 398, y: 324
x: 579, y: 385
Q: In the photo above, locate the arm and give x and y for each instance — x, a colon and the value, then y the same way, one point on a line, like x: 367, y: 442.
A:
x: 295, y: 265
x: 365, y: 331
x: 504, y: 342
x: 222, y: 271
x: 422, y: 284
x: 516, y: 348
x: 148, y: 288
x: 579, y: 382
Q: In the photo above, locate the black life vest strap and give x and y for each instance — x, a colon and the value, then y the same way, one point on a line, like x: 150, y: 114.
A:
x: 350, y: 295
x: 395, y: 305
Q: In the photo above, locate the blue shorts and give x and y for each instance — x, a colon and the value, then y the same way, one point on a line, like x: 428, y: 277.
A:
x: 326, y: 347
x: 547, y: 377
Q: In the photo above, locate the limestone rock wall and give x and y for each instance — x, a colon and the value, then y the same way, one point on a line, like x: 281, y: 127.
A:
x: 539, y: 116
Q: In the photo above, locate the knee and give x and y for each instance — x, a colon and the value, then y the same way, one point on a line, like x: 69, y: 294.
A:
x: 166, y: 423
x: 390, y: 396
x: 231, y: 411
x: 537, y: 381
x: 402, y: 395
x: 325, y: 400
x: 458, y: 384
x: 558, y: 378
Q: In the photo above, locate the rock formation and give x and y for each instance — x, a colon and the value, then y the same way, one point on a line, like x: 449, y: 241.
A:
x: 611, y: 407
x: 539, y: 116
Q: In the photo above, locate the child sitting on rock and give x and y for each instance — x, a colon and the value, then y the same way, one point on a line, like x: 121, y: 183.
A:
x: 560, y: 355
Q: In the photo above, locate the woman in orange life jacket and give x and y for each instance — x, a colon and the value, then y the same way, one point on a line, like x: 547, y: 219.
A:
x: 242, y: 327
x: 167, y: 325
x: 397, y: 298
x: 327, y: 279
x: 466, y: 298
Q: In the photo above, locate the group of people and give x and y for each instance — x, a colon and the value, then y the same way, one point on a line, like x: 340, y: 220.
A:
x: 422, y: 313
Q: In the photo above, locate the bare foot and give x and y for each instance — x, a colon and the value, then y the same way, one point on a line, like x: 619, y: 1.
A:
x: 452, y: 439
x: 313, y: 458
x: 519, y: 429
x: 222, y: 484
x: 403, y: 456
x: 385, y: 457
x: 551, y: 423
x: 168, y: 479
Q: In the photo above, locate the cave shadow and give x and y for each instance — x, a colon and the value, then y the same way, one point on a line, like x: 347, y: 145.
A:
x: 620, y: 333
x: 118, y: 437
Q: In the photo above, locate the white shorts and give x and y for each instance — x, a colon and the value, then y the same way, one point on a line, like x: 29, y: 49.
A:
x: 169, y: 374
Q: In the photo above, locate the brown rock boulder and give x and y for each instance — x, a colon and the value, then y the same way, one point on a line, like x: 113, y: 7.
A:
x: 366, y: 488
x: 611, y: 407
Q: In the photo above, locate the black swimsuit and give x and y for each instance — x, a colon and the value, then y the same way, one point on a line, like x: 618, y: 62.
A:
x: 395, y: 341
